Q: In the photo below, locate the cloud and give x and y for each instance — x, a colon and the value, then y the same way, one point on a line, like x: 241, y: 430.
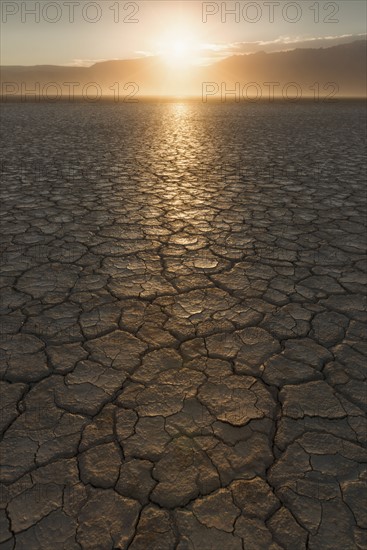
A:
x: 210, y: 52
x: 84, y: 62
x: 143, y: 53
x: 282, y: 43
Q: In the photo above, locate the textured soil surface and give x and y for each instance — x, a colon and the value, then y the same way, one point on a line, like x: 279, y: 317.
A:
x: 183, y: 309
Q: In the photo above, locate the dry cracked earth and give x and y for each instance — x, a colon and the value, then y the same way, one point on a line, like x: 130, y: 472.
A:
x: 183, y: 309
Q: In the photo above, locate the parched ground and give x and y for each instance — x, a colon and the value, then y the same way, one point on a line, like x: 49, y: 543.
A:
x: 183, y: 300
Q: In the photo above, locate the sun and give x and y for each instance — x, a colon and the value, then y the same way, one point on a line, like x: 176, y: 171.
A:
x: 179, y: 50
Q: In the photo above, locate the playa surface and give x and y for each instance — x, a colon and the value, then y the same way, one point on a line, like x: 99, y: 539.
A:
x: 182, y: 327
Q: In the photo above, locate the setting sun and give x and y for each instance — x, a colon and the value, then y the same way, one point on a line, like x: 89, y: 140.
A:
x: 180, y: 50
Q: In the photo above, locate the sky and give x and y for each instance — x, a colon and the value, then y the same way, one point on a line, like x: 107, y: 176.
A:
x: 82, y: 32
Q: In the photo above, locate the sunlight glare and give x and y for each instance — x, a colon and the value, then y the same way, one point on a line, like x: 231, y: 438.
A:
x: 179, y: 50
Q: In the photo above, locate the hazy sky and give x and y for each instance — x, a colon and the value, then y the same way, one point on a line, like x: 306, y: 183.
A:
x: 163, y: 26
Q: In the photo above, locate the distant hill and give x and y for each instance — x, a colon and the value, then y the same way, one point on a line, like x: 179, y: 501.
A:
x: 338, y: 70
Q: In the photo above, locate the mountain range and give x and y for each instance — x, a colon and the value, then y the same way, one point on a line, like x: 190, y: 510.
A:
x: 337, y: 71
